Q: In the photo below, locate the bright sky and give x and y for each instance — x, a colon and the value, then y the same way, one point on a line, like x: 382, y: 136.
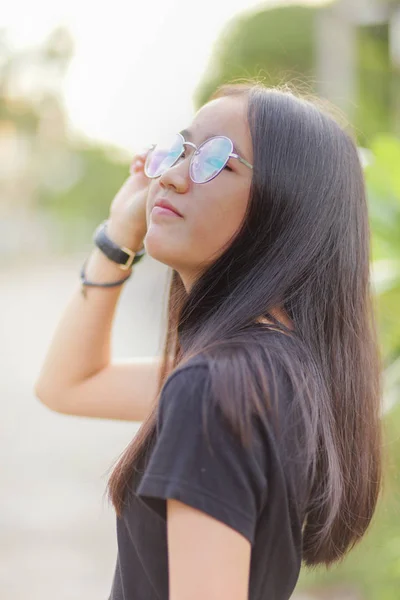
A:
x: 135, y: 68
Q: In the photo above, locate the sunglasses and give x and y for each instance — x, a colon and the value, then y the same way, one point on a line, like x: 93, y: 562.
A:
x: 206, y: 162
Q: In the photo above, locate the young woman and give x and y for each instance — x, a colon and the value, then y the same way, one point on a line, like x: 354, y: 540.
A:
x: 261, y: 441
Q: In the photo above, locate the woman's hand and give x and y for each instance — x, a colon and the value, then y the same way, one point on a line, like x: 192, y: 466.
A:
x: 128, y: 208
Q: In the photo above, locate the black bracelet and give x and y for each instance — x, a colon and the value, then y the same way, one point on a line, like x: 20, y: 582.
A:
x: 92, y: 284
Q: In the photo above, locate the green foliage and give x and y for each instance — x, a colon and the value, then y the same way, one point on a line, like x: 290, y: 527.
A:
x: 375, y: 75
x: 278, y: 45
x: 93, y: 192
x: 383, y: 186
x: 83, y: 205
x: 274, y: 43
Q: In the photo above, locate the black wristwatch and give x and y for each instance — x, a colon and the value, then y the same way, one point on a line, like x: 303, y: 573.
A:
x: 121, y: 255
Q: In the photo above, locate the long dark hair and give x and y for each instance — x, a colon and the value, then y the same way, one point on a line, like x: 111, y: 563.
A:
x: 304, y: 245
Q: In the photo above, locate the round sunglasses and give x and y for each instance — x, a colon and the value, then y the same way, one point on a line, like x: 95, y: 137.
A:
x: 206, y: 162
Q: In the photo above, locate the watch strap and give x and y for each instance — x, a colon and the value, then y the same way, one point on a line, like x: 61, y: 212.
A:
x: 124, y: 257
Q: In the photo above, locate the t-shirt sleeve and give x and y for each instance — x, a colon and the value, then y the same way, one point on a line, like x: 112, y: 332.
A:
x: 211, y: 472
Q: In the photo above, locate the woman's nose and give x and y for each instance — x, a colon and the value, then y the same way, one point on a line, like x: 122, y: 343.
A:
x: 177, y: 176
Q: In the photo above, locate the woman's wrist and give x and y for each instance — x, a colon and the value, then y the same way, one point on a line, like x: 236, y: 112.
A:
x: 100, y: 269
x: 124, y: 235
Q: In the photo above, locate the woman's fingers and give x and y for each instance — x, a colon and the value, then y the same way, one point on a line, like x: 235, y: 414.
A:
x: 138, y: 161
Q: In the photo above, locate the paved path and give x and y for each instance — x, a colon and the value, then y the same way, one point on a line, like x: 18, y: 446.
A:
x: 57, y: 534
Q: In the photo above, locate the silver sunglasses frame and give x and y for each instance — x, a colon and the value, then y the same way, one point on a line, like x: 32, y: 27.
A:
x: 197, y: 148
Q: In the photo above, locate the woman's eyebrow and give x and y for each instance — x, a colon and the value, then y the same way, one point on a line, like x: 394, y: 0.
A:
x: 188, y: 136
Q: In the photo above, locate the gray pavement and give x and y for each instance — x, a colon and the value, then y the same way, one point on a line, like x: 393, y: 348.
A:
x: 57, y: 533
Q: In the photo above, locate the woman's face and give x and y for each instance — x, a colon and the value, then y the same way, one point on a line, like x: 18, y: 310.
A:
x: 211, y: 212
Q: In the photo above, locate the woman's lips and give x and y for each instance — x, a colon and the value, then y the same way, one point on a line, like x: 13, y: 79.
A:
x: 161, y: 210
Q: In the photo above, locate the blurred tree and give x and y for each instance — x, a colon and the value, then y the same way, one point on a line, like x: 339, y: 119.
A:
x: 21, y: 96
x: 373, y: 113
x: 98, y: 176
x: 273, y: 43
x: 32, y: 116
x: 278, y: 45
x: 13, y: 109
x: 383, y: 183
x: 60, y: 183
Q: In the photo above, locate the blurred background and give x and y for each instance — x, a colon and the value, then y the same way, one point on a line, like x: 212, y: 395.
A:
x: 84, y: 86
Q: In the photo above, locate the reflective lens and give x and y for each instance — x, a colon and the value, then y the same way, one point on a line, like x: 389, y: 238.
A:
x: 210, y: 159
x: 162, y: 157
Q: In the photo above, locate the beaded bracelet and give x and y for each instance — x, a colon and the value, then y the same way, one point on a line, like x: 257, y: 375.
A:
x: 92, y: 284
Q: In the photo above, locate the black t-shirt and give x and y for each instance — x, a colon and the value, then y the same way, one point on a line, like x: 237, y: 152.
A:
x: 245, y: 489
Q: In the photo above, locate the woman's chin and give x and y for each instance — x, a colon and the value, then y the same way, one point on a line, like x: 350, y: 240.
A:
x: 159, y: 248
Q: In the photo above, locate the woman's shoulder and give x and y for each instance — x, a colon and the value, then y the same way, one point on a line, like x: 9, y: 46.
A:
x: 260, y: 339
x: 262, y: 349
